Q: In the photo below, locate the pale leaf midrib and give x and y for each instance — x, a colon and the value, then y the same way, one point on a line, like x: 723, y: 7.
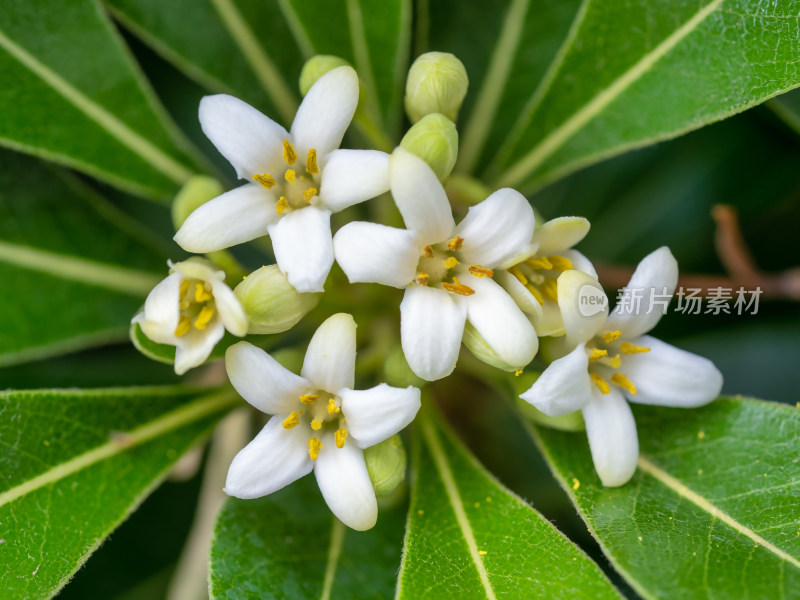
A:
x: 358, y: 39
x: 163, y: 424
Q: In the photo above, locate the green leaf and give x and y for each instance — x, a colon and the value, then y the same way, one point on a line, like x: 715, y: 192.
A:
x: 77, y: 269
x: 485, y: 541
x: 288, y: 545
x: 76, y: 463
x: 72, y: 94
x: 713, y: 505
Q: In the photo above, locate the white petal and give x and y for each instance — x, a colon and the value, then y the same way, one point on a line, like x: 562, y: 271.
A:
x: 235, y: 217
x: 583, y: 305
x: 612, y: 437
x: 654, y: 278
x: 161, y: 313
x: 262, y: 381
x: 274, y: 459
x: 519, y: 293
x: 496, y: 230
x: 250, y: 141
x: 557, y: 235
x: 229, y: 308
x: 420, y: 198
x: 352, y: 176
x: 669, y: 376
x: 550, y: 321
x: 344, y: 482
x: 198, y: 268
x: 194, y: 347
x: 500, y: 322
x: 564, y: 386
x: 301, y: 241
x: 580, y: 262
x: 330, y: 362
x: 378, y: 413
x: 372, y: 253
x: 326, y: 112
x: 431, y: 328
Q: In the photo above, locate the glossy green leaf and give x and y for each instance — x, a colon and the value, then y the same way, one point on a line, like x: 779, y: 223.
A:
x: 72, y: 94
x: 713, y: 506
x: 76, y: 269
x: 76, y: 463
x: 485, y: 541
x: 288, y: 545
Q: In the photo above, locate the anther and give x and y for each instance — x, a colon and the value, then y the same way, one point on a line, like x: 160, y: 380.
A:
x: 628, y: 348
x: 612, y: 361
x: 539, y: 262
x: 455, y: 243
x: 535, y: 293
x: 314, y: 446
x: 601, y: 383
x: 290, y: 421
x: 282, y: 205
x: 332, y: 408
x: 517, y: 272
x: 308, y: 398
x: 623, y: 382
x: 289, y: 155
x: 184, y: 325
x: 309, y: 194
x: 549, y: 288
x: 560, y: 263
x: 458, y: 288
x: 422, y: 278
x: 311, y: 162
x: 596, y: 354
x: 290, y: 176
x: 265, y: 179
x: 316, y: 424
x: 341, y: 436
x: 479, y: 271
x: 184, y: 288
x: 427, y: 252
x: 201, y: 294
x: 610, y: 336
x: 205, y: 315
x: 450, y: 262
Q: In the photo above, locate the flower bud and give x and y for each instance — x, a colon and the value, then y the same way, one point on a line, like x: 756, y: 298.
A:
x: 316, y: 67
x: 397, y: 372
x: 437, y: 83
x: 386, y: 465
x: 271, y: 303
x: 481, y: 349
x: 194, y: 193
x: 435, y: 140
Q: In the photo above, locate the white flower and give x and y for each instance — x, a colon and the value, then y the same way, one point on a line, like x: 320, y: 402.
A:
x: 321, y: 423
x: 445, y: 269
x: 613, y: 360
x: 297, y: 179
x: 191, y: 309
x: 532, y: 280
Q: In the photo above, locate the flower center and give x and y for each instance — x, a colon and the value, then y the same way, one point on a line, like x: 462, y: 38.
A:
x: 440, y: 262
x: 320, y: 411
x: 196, y: 303
x: 539, y: 275
x: 606, y: 353
x: 294, y: 189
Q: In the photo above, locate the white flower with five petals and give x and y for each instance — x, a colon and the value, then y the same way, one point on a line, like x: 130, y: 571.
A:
x: 611, y: 360
x: 445, y: 269
x: 191, y: 309
x: 297, y: 179
x: 321, y: 423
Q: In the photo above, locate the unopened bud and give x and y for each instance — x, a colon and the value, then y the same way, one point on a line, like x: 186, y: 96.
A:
x: 386, y: 465
x: 435, y: 140
x: 397, y: 372
x: 271, y: 303
x: 437, y: 83
x: 481, y: 349
x: 194, y: 193
x: 316, y: 67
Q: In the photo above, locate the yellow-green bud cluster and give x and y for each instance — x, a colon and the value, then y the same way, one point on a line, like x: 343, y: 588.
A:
x: 270, y: 302
x: 437, y: 83
x: 194, y: 193
x: 434, y: 139
x: 316, y: 67
x: 386, y: 465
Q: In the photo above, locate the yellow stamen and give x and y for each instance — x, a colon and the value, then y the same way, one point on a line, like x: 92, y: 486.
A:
x: 316, y: 424
x: 290, y: 421
x: 596, y: 354
x: 601, y: 383
x: 289, y: 155
x: 536, y: 293
x: 623, y: 382
x: 332, y: 408
x: 518, y: 372
x: 560, y: 263
x: 517, y: 272
x: 539, y: 262
x: 308, y: 398
x: 628, y: 348
x: 341, y: 436
x: 549, y: 288
x: 479, y: 271
x: 265, y: 179
x: 612, y: 361
x: 201, y: 294
x: 290, y: 176
x: 422, y: 278
x: 184, y: 325
x: 427, y: 252
x: 458, y: 288
x: 450, y: 262
x: 204, y: 317
x: 610, y: 336
x: 455, y: 243
x: 314, y: 446
x: 184, y: 289
x: 311, y: 162
x: 309, y: 194
x: 282, y: 205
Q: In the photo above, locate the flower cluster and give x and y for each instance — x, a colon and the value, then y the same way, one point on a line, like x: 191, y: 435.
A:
x: 496, y: 281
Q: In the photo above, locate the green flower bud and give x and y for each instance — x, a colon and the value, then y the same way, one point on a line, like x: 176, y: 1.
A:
x: 271, y: 303
x: 194, y: 193
x: 437, y: 83
x: 480, y: 348
x: 571, y: 422
x: 386, y: 465
x: 435, y: 140
x: 397, y: 372
x: 316, y: 67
